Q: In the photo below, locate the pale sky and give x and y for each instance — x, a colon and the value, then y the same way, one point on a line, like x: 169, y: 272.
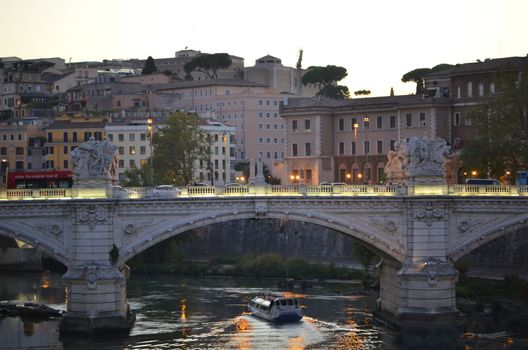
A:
x: 376, y: 41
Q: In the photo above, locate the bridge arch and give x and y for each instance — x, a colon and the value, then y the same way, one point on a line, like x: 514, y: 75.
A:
x: 358, y: 229
x: 30, y: 236
x: 500, y: 229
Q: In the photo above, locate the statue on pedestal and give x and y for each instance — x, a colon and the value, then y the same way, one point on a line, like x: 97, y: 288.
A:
x: 419, y: 161
x: 95, y: 164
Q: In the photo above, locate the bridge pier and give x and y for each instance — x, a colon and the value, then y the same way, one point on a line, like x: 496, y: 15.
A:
x: 417, y: 292
x: 96, y: 300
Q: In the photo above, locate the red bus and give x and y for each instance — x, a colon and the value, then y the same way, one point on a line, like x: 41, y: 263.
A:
x: 40, y: 179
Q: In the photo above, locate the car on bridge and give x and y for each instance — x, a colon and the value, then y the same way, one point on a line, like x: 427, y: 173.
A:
x: 164, y: 191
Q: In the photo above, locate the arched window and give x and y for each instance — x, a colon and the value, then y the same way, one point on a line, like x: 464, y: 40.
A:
x: 469, y: 91
x: 480, y: 89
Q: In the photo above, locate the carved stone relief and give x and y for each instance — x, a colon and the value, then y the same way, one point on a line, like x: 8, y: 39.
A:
x: 429, y: 214
x: 92, y: 215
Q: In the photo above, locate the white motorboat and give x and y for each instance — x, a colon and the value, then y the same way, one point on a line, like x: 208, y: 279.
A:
x: 276, y: 308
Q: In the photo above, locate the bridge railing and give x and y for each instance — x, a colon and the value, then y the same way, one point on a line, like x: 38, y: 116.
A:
x: 272, y: 191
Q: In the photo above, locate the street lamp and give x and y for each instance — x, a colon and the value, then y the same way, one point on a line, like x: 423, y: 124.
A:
x: 367, y: 127
x: 355, y: 127
x: 150, y: 131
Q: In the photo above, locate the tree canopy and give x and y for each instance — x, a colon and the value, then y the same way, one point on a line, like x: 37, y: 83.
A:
x: 417, y: 75
x: 150, y: 66
x: 501, y: 142
x: 326, y: 78
x: 362, y: 92
x: 176, y: 148
x: 208, y: 64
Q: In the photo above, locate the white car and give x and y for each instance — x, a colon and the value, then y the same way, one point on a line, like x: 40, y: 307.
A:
x: 165, y: 191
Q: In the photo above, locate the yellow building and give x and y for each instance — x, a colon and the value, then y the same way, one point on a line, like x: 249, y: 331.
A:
x: 66, y: 134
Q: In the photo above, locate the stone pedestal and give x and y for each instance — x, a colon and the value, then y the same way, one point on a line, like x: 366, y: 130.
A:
x: 417, y: 292
x: 96, y: 300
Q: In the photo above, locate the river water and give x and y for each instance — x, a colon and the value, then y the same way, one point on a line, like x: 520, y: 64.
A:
x: 211, y: 313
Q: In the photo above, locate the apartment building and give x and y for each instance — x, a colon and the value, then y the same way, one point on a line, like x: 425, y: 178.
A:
x: 252, y: 108
x: 220, y: 170
x: 132, y: 143
x: 67, y: 133
x: 21, y: 146
x: 348, y: 140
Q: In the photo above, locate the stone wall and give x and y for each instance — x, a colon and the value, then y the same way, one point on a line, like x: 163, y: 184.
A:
x: 291, y: 238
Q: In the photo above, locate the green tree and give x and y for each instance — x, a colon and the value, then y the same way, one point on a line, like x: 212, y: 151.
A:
x: 208, y: 64
x: 362, y: 92
x: 177, y: 146
x: 501, y: 141
x: 326, y: 78
x: 150, y: 66
x: 417, y: 76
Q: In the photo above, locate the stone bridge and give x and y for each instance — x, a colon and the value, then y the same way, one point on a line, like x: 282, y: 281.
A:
x: 420, y: 231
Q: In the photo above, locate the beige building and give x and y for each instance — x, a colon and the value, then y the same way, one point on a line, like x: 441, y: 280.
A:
x: 252, y: 108
x: 348, y: 140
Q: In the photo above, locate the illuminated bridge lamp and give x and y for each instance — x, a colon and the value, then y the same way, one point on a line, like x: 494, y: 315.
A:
x: 473, y: 173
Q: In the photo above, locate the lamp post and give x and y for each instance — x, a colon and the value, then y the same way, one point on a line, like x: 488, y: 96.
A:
x: 150, y: 131
x: 367, y: 127
x: 356, y: 127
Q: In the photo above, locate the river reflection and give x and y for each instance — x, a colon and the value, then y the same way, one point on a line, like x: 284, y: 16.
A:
x: 198, y: 313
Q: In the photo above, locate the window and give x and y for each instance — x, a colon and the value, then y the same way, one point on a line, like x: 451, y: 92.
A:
x: 19, y: 151
x: 121, y: 150
x: 366, y: 123
x: 65, y: 150
x: 87, y: 136
x: 459, y: 92
x: 143, y: 137
x: 131, y: 137
x: 132, y: 150
x: 379, y: 122
x: 268, y: 154
x: 341, y: 126
x: 65, y: 163
x: 408, y: 120
x: 469, y: 89
x: 74, y: 136
x: 422, y: 120
x: 379, y: 145
x: 307, y: 126
x: 341, y: 148
x: 142, y: 150
x: 492, y: 89
x: 261, y: 115
x: 352, y: 123
x: 480, y: 89
x: 267, y: 114
x: 275, y: 155
x: 260, y: 126
x: 294, y: 149
x: 65, y: 137
x: 3, y: 151
x: 260, y: 102
x: 367, y: 147
x: 294, y: 125
x: 121, y: 137
x: 121, y: 163
x: 19, y: 165
x: 392, y: 145
x: 393, y: 122
x: 467, y: 120
x: 456, y: 119
x: 308, y: 149
x: 353, y: 148
x: 111, y: 137
x: 132, y: 163
x: 50, y: 137
x: 260, y: 140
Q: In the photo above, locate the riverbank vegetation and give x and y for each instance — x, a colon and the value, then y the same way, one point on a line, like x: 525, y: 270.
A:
x: 263, y: 265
